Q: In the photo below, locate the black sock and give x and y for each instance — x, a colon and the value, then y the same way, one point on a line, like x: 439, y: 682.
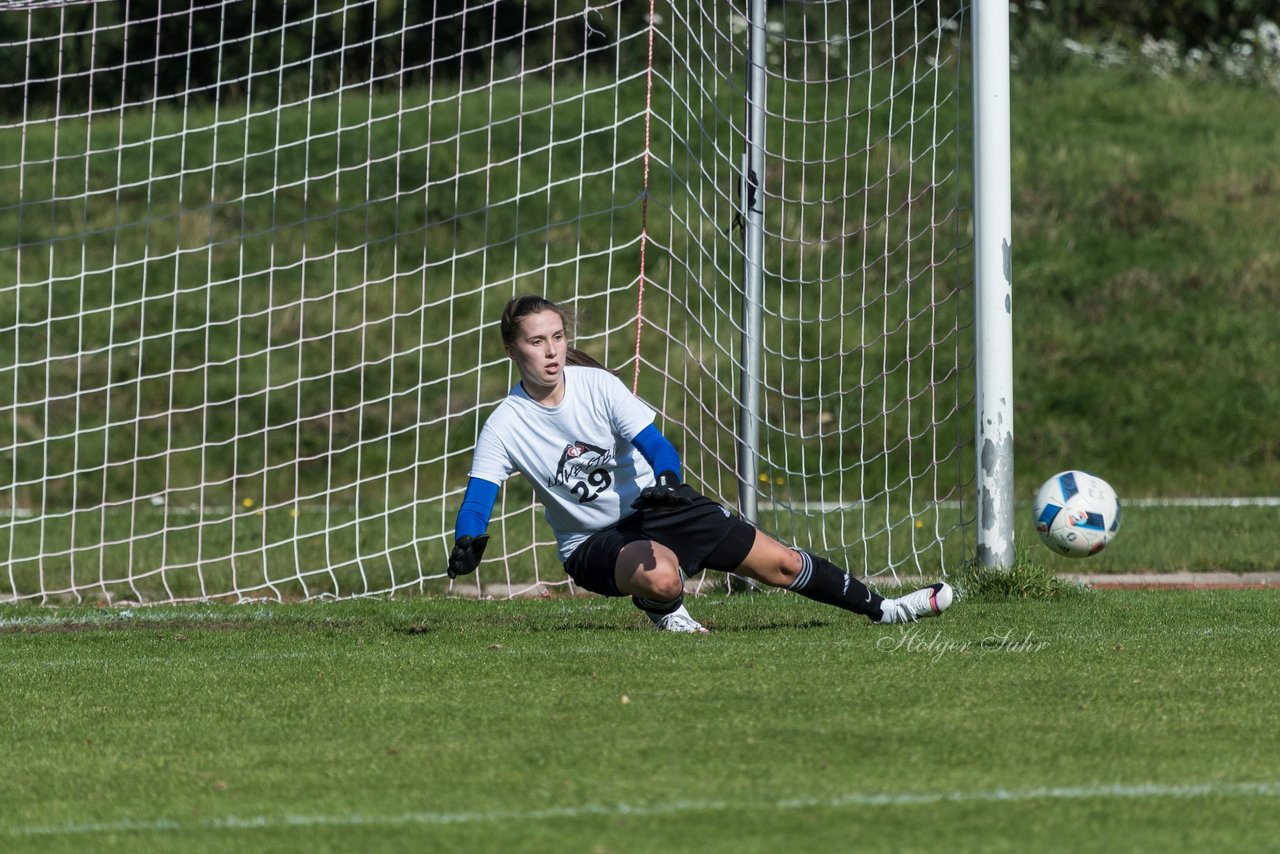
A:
x: 822, y: 581
x: 659, y: 608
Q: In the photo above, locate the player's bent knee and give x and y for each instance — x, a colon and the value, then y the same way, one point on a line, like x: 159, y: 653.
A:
x: 655, y: 585
x: 665, y: 583
x: 650, y: 571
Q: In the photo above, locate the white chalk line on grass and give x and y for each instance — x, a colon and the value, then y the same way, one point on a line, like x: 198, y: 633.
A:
x: 267, y: 822
x: 247, y: 615
x: 1207, y: 501
x: 223, y: 512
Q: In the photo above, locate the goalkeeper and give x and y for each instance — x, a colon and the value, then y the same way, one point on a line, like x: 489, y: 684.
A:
x: 610, y: 485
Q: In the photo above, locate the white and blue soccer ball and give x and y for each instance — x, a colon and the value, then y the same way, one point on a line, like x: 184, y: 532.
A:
x: 1077, y: 513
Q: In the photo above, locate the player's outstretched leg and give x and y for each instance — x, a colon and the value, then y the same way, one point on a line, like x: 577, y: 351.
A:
x: 650, y: 573
x: 816, y: 578
x: 926, y: 602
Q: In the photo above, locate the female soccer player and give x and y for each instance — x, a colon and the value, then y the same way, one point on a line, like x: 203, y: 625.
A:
x: 591, y: 450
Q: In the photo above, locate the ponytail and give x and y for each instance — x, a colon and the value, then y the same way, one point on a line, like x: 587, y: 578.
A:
x: 577, y: 357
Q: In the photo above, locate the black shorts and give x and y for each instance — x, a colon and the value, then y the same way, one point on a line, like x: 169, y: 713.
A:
x: 703, y: 535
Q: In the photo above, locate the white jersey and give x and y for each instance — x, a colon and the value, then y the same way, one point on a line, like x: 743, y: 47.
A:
x: 578, y: 454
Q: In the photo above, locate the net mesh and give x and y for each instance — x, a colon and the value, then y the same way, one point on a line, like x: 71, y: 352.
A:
x: 253, y: 256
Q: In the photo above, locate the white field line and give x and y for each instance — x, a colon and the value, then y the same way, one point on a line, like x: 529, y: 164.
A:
x: 1259, y: 501
x: 256, y: 822
x: 246, y: 614
x: 223, y: 511
x: 213, y: 511
x: 837, y: 506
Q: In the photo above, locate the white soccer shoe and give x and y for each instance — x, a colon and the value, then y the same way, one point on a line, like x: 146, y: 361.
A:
x: 678, y: 621
x: 926, y: 602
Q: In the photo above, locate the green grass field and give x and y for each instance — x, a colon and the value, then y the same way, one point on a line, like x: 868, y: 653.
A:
x: 1096, y: 721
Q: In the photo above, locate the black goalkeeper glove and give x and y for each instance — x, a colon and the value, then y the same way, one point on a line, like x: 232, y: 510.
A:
x: 665, y: 494
x: 466, y: 555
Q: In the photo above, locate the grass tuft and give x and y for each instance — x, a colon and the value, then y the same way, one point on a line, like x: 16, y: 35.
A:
x: 1026, y: 579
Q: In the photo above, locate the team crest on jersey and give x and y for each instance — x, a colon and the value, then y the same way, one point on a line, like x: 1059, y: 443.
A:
x: 577, y: 459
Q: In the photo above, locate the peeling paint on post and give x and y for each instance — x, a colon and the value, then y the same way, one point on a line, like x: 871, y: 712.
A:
x: 993, y: 282
x: 995, y: 537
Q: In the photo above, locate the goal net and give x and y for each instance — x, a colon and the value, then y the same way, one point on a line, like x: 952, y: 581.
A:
x: 252, y: 258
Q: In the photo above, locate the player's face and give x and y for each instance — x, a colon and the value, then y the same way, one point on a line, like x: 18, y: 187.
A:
x: 539, y: 352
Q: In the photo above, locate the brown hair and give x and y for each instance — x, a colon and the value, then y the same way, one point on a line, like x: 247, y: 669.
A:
x: 520, y: 307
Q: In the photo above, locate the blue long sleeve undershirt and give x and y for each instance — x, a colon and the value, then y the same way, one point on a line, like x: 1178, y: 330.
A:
x: 478, y: 501
x: 660, y: 454
x: 477, y: 507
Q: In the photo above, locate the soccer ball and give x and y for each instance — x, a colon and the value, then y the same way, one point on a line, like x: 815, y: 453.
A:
x: 1077, y: 513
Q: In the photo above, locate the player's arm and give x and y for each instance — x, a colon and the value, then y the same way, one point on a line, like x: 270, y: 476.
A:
x: 469, y: 538
x: 664, y: 459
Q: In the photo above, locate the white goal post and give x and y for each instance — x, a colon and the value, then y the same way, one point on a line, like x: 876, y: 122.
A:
x: 252, y: 257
